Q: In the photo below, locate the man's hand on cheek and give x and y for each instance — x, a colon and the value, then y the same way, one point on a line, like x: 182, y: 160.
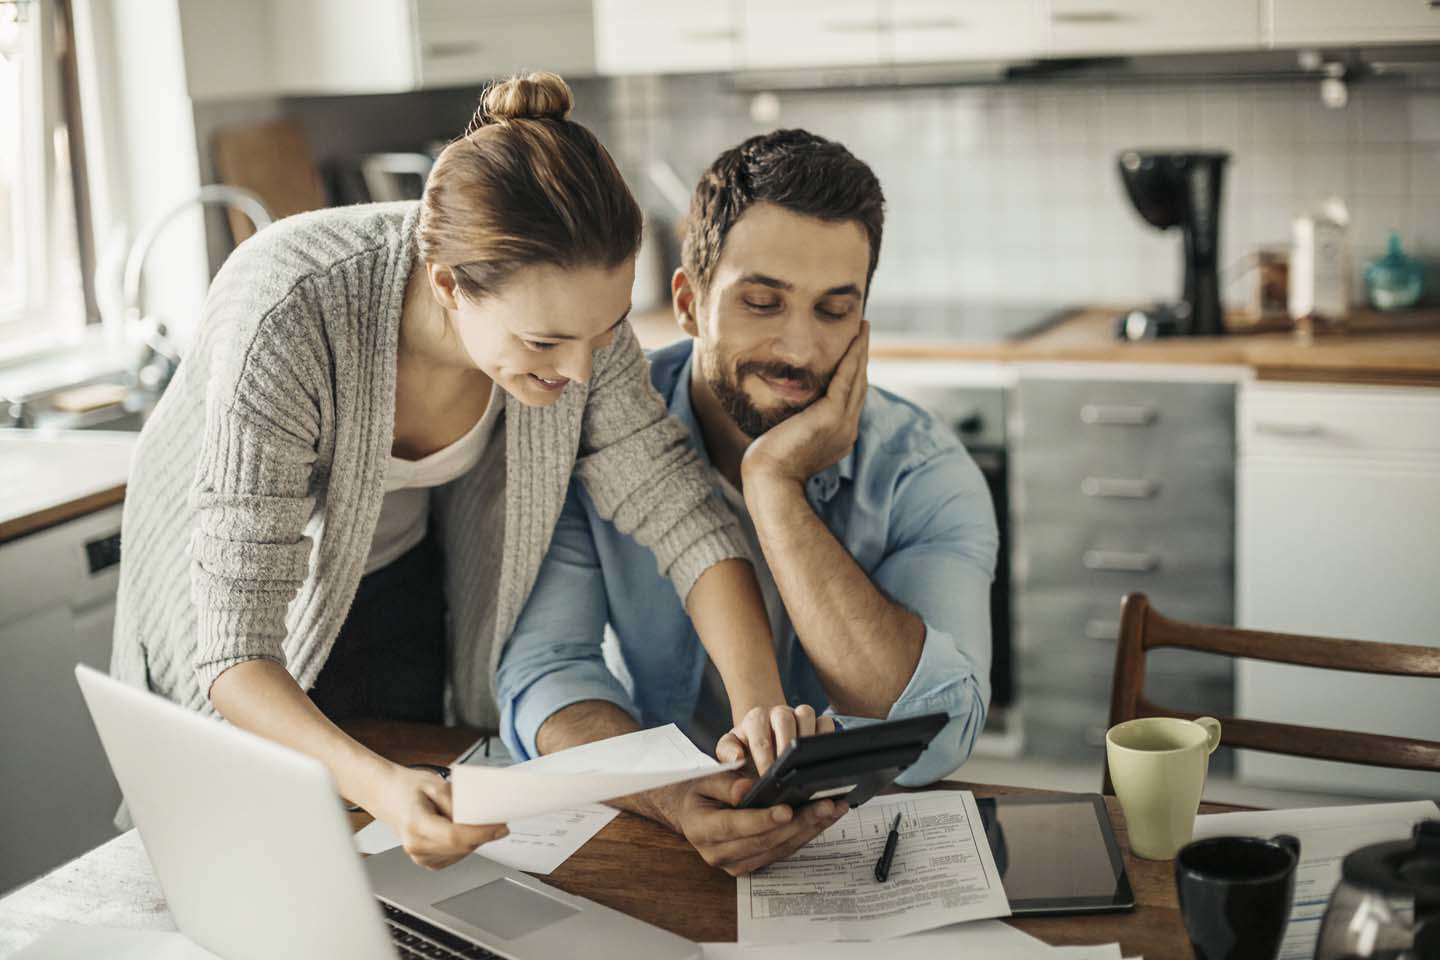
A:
x: 822, y: 433
x: 740, y: 841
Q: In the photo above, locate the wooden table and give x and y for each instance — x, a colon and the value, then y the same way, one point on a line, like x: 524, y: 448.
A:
x: 632, y: 858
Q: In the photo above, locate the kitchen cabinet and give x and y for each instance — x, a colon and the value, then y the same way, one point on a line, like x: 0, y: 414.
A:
x: 280, y: 48
x: 816, y: 33
x: 1100, y: 27
x: 1339, y: 535
x: 938, y: 30
x: 1346, y: 22
x: 658, y: 36
x: 1117, y: 485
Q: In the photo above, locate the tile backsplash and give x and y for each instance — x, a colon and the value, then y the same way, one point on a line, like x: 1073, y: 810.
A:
x: 998, y: 192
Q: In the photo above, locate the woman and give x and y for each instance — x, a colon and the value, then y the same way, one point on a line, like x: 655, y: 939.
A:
x: 351, y: 482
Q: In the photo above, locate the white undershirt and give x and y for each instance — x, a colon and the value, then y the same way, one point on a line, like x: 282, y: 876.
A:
x: 405, y: 512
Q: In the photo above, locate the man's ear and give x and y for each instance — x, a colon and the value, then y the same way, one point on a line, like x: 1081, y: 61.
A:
x: 443, y: 286
x: 683, y: 299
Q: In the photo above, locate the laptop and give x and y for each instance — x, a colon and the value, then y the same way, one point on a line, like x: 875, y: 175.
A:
x: 254, y: 852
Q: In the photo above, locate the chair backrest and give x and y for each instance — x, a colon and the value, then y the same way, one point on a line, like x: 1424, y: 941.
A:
x: 1142, y: 629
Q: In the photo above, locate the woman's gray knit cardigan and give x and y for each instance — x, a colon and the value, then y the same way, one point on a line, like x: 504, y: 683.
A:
x: 258, y: 480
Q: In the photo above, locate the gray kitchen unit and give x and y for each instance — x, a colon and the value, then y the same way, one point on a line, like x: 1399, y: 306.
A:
x: 1117, y: 484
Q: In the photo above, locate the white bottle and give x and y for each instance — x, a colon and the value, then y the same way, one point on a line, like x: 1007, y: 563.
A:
x: 1320, y: 264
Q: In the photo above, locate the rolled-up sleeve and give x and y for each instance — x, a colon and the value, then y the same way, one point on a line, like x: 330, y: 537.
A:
x: 940, y: 565
x: 642, y: 475
x: 249, y: 554
x: 553, y: 658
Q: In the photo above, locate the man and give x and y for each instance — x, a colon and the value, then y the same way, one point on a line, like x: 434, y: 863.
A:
x: 872, y: 529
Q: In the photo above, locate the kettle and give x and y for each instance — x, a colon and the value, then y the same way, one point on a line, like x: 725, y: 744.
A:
x: 1388, y: 902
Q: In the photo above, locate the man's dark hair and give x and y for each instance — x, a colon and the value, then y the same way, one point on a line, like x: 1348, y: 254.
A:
x: 793, y: 169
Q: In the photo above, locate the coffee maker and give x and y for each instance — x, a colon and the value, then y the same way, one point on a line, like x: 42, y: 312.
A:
x: 1179, y: 189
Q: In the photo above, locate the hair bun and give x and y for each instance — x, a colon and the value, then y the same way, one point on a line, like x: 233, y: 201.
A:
x: 533, y: 96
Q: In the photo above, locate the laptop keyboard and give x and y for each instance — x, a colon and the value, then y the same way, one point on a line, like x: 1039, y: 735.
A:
x: 416, y: 939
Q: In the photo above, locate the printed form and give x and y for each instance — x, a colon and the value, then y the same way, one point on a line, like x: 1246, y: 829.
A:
x: 942, y: 873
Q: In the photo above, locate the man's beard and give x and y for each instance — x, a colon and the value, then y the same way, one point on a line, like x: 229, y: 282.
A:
x: 751, y: 419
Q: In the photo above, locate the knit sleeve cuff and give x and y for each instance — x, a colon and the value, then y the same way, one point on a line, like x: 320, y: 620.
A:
x: 711, y: 534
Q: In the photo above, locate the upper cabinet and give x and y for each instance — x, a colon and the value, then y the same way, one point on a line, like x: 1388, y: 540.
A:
x: 1320, y: 22
x: 377, y: 46
x: 928, y: 31
x: 1099, y: 27
x: 816, y: 33
x: 662, y: 36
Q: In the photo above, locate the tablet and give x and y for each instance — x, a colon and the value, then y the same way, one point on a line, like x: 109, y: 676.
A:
x: 851, y: 765
x: 1056, y: 854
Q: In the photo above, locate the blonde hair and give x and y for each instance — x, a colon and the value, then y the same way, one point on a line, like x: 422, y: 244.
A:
x: 525, y: 186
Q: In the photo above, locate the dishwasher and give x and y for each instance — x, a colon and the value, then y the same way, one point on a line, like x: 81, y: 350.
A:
x: 57, y: 608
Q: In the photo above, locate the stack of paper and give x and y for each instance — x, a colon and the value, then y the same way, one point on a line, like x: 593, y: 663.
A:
x: 991, y: 939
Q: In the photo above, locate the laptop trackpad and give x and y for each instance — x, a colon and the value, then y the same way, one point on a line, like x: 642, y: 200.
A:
x: 506, y: 909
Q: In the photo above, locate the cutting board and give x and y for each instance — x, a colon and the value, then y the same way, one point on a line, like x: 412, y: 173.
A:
x: 274, y: 161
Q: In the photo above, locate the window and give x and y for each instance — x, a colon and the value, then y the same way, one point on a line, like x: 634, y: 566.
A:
x: 42, y: 296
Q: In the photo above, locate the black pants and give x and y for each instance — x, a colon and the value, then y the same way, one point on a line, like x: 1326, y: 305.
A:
x: 388, y: 662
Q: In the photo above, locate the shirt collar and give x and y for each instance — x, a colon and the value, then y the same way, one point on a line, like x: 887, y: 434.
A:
x: 821, y: 487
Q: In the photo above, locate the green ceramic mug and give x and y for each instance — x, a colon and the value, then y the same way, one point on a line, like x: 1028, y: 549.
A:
x: 1158, y: 767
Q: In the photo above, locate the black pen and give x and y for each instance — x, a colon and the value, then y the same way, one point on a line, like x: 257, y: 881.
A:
x: 882, y: 866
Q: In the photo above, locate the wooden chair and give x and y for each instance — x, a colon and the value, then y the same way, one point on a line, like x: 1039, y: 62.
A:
x: 1142, y: 630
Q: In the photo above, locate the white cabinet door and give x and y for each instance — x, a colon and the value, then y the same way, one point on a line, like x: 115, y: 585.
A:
x: 815, y: 33
x: 1339, y: 535
x: 1300, y: 22
x: 1077, y: 27
x: 926, y: 31
x: 661, y: 36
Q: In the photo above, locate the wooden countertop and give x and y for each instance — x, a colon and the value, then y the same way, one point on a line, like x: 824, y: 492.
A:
x: 49, y: 478
x: 1372, y: 348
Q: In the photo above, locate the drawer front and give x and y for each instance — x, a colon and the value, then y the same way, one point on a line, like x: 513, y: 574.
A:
x: 1381, y: 422
x: 1195, y: 561
x: 1160, y: 488
x: 1066, y: 641
x: 1125, y: 423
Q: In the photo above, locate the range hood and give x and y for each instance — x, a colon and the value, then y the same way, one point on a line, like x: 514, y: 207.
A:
x: 1353, y: 64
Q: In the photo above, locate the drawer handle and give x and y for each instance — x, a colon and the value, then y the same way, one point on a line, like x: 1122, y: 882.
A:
x: 1119, y: 415
x: 1278, y: 428
x: 940, y: 23
x: 854, y: 26
x: 1120, y: 561
x: 1122, y: 488
x: 1101, y: 630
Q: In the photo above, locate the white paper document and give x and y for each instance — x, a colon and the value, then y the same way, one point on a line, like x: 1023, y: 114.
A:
x: 1326, y: 835
x: 535, y: 844
x: 987, y: 939
x: 598, y: 771
x: 942, y: 873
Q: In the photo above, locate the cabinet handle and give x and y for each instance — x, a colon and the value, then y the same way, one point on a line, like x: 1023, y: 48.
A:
x: 453, y: 49
x: 711, y: 36
x: 1123, y: 488
x: 940, y: 23
x: 1088, y: 18
x: 1101, y: 630
x: 854, y: 26
x: 1119, y: 415
x: 1120, y: 561
x: 1278, y: 428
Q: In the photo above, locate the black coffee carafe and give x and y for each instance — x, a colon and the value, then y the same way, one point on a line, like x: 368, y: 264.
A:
x: 1388, y: 902
x: 1181, y: 189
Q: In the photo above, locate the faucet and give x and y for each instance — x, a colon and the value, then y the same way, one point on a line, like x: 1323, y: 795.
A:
x: 158, y: 358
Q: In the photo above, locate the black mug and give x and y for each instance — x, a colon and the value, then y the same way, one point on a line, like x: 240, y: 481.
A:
x: 1235, y: 895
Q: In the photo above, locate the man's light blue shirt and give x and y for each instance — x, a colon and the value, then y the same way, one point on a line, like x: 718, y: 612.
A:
x: 907, y: 502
